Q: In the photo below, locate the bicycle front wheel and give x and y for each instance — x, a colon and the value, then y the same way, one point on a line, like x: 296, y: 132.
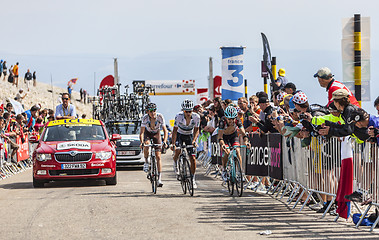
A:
x: 182, y: 172
x: 154, y: 175
x: 238, y: 177
x: 189, y: 178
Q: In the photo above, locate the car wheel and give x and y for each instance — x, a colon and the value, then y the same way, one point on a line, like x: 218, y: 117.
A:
x: 112, y: 181
x: 38, y: 183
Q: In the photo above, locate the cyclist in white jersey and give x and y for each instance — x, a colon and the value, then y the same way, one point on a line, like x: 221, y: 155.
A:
x: 151, y: 124
x: 186, y: 129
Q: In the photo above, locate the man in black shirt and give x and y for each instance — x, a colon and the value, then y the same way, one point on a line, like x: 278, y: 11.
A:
x: 265, y: 125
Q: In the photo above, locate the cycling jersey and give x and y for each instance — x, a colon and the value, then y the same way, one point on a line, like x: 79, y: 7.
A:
x: 159, y: 123
x: 223, y: 124
x: 183, y: 128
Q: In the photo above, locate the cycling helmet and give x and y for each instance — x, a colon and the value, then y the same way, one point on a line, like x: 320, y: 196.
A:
x: 230, y: 112
x: 187, y: 105
x: 151, y: 106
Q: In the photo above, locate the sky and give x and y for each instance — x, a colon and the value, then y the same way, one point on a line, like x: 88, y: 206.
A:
x: 173, y: 40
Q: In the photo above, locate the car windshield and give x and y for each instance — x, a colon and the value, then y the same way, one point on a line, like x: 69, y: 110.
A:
x: 123, y: 128
x: 74, y: 133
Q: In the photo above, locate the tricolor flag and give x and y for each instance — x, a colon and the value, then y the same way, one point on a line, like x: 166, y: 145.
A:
x: 345, y: 185
x: 72, y: 81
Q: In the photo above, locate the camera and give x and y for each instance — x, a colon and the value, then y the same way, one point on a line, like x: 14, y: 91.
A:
x: 303, y: 116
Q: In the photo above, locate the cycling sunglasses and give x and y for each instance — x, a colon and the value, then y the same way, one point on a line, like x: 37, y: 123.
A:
x: 152, y: 110
x: 188, y: 111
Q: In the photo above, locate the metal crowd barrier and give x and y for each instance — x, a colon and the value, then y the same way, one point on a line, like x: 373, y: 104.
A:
x: 8, y: 168
x: 312, y: 171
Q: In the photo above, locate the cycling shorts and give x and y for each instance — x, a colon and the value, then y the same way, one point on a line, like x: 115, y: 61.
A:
x: 156, y: 137
x: 232, y: 139
x: 187, y: 139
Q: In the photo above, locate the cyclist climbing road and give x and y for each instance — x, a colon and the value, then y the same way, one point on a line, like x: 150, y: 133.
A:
x: 186, y: 129
x: 151, y: 124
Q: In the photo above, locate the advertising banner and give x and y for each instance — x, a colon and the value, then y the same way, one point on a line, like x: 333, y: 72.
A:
x: 172, y: 87
x: 232, y: 73
x: 23, y: 151
x: 217, y: 83
x: 201, y: 95
x: 275, y: 156
x: 257, y: 161
x: 215, y: 150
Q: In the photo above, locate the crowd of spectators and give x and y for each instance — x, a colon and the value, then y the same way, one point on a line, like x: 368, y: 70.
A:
x: 29, y: 122
x: 13, y: 76
x: 289, y: 113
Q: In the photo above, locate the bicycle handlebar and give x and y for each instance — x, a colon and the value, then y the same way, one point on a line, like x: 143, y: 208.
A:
x: 240, y: 146
x: 152, y: 145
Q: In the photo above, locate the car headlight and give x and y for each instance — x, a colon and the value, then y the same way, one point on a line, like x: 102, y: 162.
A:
x: 103, y: 155
x: 43, y: 157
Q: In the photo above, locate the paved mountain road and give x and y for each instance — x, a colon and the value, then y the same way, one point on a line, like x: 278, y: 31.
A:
x: 91, y: 210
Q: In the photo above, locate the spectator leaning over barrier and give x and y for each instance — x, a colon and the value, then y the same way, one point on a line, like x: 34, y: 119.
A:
x: 66, y: 110
x: 266, y: 124
x: 243, y: 104
x: 367, y: 123
x: 342, y: 102
x: 31, y: 116
x: 212, y: 123
x: 254, y: 110
x: 326, y: 80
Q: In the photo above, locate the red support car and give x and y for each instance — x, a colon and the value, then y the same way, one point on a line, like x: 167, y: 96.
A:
x: 74, y: 149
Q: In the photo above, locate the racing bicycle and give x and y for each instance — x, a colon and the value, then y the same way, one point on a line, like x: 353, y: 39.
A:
x: 185, y: 176
x: 152, y: 175
x: 234, y: 173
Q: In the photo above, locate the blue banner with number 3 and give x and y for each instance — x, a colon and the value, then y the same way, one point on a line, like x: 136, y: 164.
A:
x: 232, y: 73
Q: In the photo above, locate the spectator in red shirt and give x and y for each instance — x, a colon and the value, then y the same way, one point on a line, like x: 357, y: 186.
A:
x: 326, y: 80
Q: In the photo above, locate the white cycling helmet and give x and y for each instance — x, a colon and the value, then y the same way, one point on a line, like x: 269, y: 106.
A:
x: 187, y: 105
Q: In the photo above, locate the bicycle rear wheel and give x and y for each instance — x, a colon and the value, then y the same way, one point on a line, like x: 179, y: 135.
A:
x: 189, y: 177
x: 154, y: 175
x: 238, y: 176
x: 182, y: 172
x: 229, y: 179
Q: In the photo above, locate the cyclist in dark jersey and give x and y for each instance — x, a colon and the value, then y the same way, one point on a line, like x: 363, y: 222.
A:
x: 151, y: 125
x: 228, y: 129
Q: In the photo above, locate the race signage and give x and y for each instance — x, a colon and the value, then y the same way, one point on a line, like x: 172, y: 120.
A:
x: 232, y: 73
x: 23, y: 151
x: 172, y: 87
x: 215, y: 150
x: 265, y: 156
x: 217, y: 83
x: 275, y: 153
x: 201, y: 95
x: 76, y: 144
x: 74, y: 121
x: 257, y: 160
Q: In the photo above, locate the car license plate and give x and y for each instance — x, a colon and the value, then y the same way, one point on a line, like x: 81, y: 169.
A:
x: 126, y: 152
x: 74, y: 166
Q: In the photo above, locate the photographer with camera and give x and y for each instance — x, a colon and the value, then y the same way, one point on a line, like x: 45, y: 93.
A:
x: 342, y: 102
x: 265, y: 124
